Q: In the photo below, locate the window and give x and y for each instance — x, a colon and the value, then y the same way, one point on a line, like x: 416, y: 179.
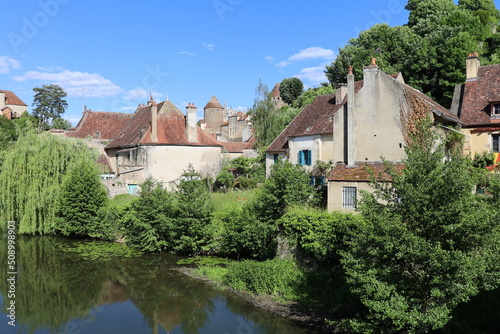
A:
x: 317, y: 180
x: 495, y: 111
x: 496, y: 143
x: 276, y: 157
x: 133, y: 189
x: 305, y: 157
x: 349, y: 197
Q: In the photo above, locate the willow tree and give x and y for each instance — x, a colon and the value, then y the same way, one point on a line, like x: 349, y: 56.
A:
x: 31, y: 176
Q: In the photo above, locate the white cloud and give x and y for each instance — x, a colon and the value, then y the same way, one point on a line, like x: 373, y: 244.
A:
x: 269, y: 59
x: 210, y: 47
x: 187, y: 53
x: 314, y: 75
x: 8, y: 64
x: 129, y: 108
x: 141, y: 94
x: 75, y: 83
x: 73, y: 119
x: 311, y: 53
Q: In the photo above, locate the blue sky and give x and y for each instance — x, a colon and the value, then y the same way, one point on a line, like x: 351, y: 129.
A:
x: 108, y: 54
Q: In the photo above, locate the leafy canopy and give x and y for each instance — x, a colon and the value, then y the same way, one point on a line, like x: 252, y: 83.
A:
x: 49, y: 104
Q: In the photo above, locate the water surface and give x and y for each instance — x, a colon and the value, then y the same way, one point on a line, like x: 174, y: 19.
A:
x: 74, y: 293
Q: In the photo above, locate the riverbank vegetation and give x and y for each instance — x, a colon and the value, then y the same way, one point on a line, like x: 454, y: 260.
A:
x: 419, y: 249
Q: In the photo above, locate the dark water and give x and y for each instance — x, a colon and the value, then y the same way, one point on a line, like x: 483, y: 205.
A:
x: 61, y: 292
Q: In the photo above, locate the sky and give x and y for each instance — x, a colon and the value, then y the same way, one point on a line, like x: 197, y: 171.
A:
x: 111, y: 55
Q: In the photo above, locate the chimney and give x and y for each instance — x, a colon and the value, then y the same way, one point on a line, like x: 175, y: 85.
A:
x: 340, y: 93
x: 350, y: 121
x: 154, y: 123
x: 191, y: 127
x: 2, y: 100
x: 472, y: 64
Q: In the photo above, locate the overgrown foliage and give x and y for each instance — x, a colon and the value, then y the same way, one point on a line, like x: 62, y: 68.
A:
x: 31, y: 175
x: 428, y: 244
x: 82, y: 197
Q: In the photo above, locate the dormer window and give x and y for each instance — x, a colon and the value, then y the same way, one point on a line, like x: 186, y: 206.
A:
x: 495, y: 110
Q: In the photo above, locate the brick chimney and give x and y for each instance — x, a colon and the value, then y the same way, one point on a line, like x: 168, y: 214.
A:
x: 191, y: 127
x: 154, y: 122
x: 340, y: 93
x: 350, y: 121
x: 472, y: 64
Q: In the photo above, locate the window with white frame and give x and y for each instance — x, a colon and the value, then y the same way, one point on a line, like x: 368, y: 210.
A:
x: 495, y: 111
x: 349, y: 197
x: 495, y: 142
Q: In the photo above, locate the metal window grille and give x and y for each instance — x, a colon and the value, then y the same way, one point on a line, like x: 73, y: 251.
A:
x: 349, y: 197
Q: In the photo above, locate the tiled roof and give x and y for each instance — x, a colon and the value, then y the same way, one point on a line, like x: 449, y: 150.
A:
x: 276, y: 90
x: 103, y: 161
x: 250, y: 143
x: 213, y: 103
x: 12, y: 99
x: 315, y: 118
x: 100, y: 124
x: 361, y: 172
x: 473, y: 106
x: 171, y: 129
x: 238, y: 147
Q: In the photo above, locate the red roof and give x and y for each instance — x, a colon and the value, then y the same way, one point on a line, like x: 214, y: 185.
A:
x: 100, y: 124
x: 362, y: 171
x: 474, y: 97
x: 213, y: 103
x: 12, y: 99
x: 171, y: 129
x: 238, y: 147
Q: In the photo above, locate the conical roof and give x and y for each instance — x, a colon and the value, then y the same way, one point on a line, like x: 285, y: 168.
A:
x: 213, y: 103
x: 276, y: 90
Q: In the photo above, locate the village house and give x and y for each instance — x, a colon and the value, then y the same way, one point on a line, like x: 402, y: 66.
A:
x: 11, y: 106
x: 159, y: 141
x: 477, y: 103
x: 354, y: 128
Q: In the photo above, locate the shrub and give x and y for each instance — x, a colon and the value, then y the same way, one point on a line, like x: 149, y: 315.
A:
x: 224, y: 181
x: 274, y: 277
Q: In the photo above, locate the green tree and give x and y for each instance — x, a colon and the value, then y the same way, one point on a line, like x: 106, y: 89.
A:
x: 287, y: 185
x: 428, y: 244
x: 309, y: 95
x: 82, y: 196
x: 49, y: 104
x: 423, y: 9
x: 290, y: 89
x: 264, y: 116
x: 7, y: 132
x: 60, y: 123
x: 31, y: 175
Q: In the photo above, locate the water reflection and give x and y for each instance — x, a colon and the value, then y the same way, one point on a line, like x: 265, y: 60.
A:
x: 60, y: 292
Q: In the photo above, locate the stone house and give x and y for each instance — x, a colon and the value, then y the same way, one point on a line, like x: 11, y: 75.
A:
x: 11, y: 106
x: 159, y: 141
x: 477, y: 103
x: 376, y: 121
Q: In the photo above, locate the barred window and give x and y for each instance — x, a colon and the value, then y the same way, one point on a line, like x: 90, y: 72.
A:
x: 349, y: 195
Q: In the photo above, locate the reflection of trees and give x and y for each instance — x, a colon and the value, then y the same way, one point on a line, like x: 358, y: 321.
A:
x: 167, y: 298
x: 52, y: 286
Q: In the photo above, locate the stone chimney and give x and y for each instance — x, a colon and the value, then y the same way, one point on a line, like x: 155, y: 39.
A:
x: 351, y: 150
x: 472, y: 64
x: 2, y: 100
x: 191, y: 127
x: 154, y: 123
x: 340, y: 93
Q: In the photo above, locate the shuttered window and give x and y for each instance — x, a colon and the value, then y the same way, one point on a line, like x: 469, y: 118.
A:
x: 305, y: 157
x: 349, y: 197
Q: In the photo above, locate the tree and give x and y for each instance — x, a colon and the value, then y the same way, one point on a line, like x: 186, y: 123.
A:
x: 31, y: 175
x: 263, y: 116
x: 290, y: 89
x: 49, y: 104
x: 422, y: 9
x: 7, y: 132
x: 82, y: 196
x: 309, y: 95
x: 428, y: 244
x: 60, y: 123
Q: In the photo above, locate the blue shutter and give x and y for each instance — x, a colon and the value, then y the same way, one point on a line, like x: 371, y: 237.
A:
x: 301, y: 157
x: 308, y: 157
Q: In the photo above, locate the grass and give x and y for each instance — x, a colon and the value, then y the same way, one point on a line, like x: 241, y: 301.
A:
x: 224, y: 201
x: 213, y: 273
x: 121, y: 201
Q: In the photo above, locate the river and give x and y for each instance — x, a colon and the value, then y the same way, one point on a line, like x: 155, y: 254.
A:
x: 108, y: 291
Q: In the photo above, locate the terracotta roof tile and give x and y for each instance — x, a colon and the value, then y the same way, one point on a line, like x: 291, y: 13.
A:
x: 477, y: 95
x: 12, y: 99
x: 171, y: 129
x: 100, y: 124
x: 234, y: 147
x: 104, y: 163
x: 361, y: 172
